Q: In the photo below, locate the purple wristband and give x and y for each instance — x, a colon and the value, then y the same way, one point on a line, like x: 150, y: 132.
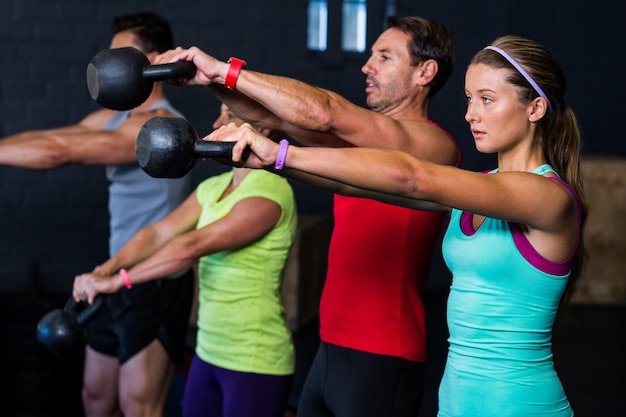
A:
x: 282, y: 154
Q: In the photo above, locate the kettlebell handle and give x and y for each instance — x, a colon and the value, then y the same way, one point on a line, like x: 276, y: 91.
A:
x: 209, y: 149
x: 175, y: 70
x: 84, y: 314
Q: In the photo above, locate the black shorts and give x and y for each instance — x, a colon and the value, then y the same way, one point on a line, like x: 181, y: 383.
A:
x: 131, y: 319
x: 350, y: 383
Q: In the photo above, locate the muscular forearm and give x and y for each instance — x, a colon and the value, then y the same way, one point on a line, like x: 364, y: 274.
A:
x: 273, y: 102
x: 306, y: 111
x: 53, y: 148
x: 33, y: 150
x: 256, y: 114
x: 287, y: 98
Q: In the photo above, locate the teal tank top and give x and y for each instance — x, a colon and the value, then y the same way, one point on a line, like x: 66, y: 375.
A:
x: 501, y: 310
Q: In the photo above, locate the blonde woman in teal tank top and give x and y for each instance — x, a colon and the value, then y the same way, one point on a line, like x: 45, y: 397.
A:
x: 502, y: 351
x: 514, y: 243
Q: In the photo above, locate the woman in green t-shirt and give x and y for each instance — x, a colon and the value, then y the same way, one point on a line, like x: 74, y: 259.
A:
x: 238, y: 227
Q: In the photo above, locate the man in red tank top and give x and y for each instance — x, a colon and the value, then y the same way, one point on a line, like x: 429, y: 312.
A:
x: 373, y: 350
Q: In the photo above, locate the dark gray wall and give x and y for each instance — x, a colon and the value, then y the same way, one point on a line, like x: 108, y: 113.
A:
x: 58, y: 219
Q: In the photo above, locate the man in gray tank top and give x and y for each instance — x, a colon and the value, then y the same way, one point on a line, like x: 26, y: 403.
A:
x: 139, y: 335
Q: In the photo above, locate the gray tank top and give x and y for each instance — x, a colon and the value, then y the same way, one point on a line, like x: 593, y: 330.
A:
x: 136, y: 199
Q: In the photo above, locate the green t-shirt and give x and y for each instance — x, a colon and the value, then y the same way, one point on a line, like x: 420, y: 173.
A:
x: 241, y: 320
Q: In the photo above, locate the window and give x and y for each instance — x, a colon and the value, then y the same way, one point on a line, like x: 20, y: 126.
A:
x: 318, y: 25
x: 354, y: 16
x: 353, y: 25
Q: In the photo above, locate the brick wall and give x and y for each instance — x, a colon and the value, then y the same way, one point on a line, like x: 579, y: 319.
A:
x: 58, y: 220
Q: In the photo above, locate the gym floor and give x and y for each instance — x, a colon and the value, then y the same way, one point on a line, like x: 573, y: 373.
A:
x: 588, y: 350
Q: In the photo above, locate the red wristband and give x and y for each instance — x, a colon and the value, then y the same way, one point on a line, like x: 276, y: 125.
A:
x: 126, y: 278
x: 233, y: 72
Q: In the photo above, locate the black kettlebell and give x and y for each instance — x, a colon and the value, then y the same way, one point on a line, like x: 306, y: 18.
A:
x: 122, y: 78
x: 168, y: 147
x: 62, y: 331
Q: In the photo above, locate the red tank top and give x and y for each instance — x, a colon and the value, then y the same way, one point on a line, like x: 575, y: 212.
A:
x: 378, y: 261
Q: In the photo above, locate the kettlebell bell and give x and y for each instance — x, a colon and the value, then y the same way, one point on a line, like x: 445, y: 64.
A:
x: 122, y: 78
x: 168, y: 147
x: 62, y: 331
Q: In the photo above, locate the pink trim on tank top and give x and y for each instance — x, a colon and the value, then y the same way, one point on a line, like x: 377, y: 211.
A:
x: 523, y: 245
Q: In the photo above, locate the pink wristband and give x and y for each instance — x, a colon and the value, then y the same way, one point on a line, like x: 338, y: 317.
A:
x: 282, y: 154
x: 125, y: 278
x: 233, y: 72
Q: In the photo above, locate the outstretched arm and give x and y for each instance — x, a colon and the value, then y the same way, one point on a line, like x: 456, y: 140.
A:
x: 265, y: 150
x: 340, y: 188
x: 256, y: 114
x: 141, y: 248
x: 86, y: 143
x: 515, y: 195
x: 174, y: 244
x: 315, y: 116
x: 211, y: 72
